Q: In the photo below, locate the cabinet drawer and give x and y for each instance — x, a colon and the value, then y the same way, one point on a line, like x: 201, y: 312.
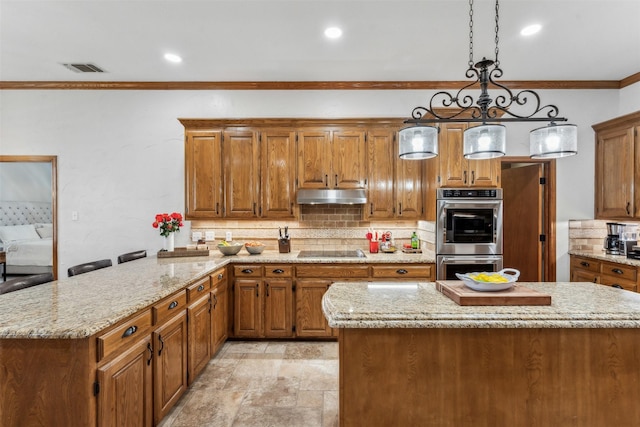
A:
x: 278, y: 271
x: 247, y: 271
x: 334, y: 271
x: 403, y: 271
x: 201, y: 287
x: 585, y: 264
x: 126, y: 333
x: 618, y: 282
x: 168, y: 307
x: 218, y: 276
x: 619, y: 270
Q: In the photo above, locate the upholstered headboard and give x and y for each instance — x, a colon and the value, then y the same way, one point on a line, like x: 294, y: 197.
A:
x: 20, y: 213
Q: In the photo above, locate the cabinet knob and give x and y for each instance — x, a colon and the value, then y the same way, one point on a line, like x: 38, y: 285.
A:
x: 173, y: 305
x: 278, y: 271
x: 617, y: 271
x: 615, y: 285
x: 247, y: 271
x: 200, y: 288
x: 584, y: 264
x: 220, y: 276
x: 401, y: 271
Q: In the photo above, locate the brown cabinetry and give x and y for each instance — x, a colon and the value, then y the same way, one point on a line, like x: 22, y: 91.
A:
x: 203, y: 174
x: 170, y: 346
x: 263, y: 301
x: 395, y: 185
x: 454, y: 169
x: 331, y: 158
x: 278, y: 161
x: 199, y: 327
x: 241, y: 169
x: 219, y: 310
x: 622, y: 276
x: 617, y: 193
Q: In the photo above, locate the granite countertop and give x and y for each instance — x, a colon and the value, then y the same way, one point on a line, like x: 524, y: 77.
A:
x: 420, y: 305
x: 81, y: 306
x: 603, y: 256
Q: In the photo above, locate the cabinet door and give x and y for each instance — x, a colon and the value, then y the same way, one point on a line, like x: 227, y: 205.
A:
x: 126, y: 394
x: 381, y: 172
x: 241, y: 170
x: 409, y: 191
x: 615, y: 174
x: 278, y: 308
x: 219, y: 315
x: 484, y: 173
x: 203, y: 155
x: 578, y: 275
x: 310, y: 321
x: 278, y: 173
x: 314, y: 158
x: 170, y: 367
x: 247, y: 308
x: 452, y: 164
x: 199, y: 314
x: 349, y: 168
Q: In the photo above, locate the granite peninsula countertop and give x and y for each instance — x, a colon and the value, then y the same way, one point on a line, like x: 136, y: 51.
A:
x: 80, y: 306
x: 420, y: 305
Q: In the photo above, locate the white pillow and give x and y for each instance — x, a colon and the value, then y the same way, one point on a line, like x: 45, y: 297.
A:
x: 45, y: 230
x: 9, y: 233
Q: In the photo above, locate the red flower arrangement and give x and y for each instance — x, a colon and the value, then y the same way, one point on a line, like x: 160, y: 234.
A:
x: 168, y: 223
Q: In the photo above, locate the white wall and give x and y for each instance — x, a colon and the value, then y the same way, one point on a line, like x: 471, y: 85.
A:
x: 629, y: 99
x: 121, y: 160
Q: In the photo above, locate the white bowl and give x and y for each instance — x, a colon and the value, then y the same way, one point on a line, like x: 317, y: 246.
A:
x: 232, y: 249
x: 489, y: 286
x: 254, y: 250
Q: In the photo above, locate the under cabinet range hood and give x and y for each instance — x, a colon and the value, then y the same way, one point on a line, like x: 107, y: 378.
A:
x: 331, y: 197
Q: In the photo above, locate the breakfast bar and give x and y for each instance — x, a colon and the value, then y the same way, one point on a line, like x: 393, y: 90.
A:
x: 409, y: 355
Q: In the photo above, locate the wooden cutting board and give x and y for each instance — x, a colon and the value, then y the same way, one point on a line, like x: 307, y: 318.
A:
x: 517, y: 295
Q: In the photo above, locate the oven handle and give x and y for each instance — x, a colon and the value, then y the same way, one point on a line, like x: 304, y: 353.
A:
x: 466, y: 259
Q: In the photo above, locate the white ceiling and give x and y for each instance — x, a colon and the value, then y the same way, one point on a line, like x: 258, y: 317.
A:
x: 282, y: 40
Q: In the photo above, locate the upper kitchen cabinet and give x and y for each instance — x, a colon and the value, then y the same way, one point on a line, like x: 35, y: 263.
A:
x: 617, y: 184
x: 395, y: 185
x: 331, y: 158
x: 278, y: 174
x: 454, y: 169
x: 203, y: 173
x: 241, y: 169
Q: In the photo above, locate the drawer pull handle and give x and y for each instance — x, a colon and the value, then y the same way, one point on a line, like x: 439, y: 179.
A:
x: 257, y: 289
x: 278, y: 271
x: 200, y: 288
x: 585, y: 264
x: 247, y: 271
x: 210, y: 304
x: 173, y: 305
x: 215, y: 301
x: 130, y: 331
x: 402, y: 271
x: 150, y: 353
x: 267, y: 286
x: 220, y: 276
x: 617, y: 271
x: 162, y: 344
x: 615, y: 285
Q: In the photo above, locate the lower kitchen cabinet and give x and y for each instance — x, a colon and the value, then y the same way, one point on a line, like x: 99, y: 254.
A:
x: 622, y: 276
x: 125, y: 396
x: 219, y: 310
x: 170, y: 346
x: 310, y: 320
x: 199, y: 338
x: 263, y: 301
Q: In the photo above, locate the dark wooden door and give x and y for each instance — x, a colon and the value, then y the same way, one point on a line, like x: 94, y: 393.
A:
x: 523, y: 220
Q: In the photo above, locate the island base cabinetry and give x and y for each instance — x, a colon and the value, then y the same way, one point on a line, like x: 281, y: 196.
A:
x: 489, y: 377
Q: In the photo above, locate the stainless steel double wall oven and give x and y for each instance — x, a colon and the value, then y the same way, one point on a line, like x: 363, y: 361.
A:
x: 468, y: 231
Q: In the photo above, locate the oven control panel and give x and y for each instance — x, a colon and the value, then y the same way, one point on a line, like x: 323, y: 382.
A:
x: 469, y: 193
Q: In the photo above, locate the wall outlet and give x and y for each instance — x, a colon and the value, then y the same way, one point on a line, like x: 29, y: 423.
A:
x: 227, y: 236
x: 210, y: 236
x: 196, y: 235
x: 74, y: 215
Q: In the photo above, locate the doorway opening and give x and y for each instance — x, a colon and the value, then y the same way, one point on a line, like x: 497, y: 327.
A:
x: 529, y: 221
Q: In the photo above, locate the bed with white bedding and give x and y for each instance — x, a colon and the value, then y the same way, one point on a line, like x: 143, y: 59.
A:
x: 26, y: 236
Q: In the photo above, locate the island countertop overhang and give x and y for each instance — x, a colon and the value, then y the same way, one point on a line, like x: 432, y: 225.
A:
x: 421, y: 305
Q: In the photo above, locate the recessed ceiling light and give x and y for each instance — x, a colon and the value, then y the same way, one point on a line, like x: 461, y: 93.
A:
x: 530, y: 30
x: 333, y: 32
x: 172, y: 57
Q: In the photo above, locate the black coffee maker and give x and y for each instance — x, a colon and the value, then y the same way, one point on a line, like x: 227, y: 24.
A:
x: 612, y: 241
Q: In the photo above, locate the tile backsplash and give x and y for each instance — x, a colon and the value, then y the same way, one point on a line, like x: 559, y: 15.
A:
x: 321, y: 227
x: 588, y: 235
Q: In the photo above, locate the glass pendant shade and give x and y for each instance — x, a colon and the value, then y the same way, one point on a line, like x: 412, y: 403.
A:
x: 553, y: 141
x: 418, y: 142
x: 485, y: 142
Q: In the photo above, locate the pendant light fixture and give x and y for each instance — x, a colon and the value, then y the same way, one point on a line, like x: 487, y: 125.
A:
x: 418, y: 142
x: 486, y: 137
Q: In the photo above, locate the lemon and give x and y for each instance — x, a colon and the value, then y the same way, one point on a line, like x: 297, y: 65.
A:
x: 489, y: 278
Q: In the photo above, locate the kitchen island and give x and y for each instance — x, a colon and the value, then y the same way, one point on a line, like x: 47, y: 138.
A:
x: 410, y: 356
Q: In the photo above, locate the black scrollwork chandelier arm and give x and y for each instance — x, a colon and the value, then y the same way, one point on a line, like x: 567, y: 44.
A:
x: 465, y: 109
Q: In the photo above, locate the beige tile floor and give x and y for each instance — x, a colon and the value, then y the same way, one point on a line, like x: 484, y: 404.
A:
x: 275, y: 384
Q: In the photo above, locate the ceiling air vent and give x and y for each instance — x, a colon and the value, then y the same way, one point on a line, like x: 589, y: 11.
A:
x: 84, y: 68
